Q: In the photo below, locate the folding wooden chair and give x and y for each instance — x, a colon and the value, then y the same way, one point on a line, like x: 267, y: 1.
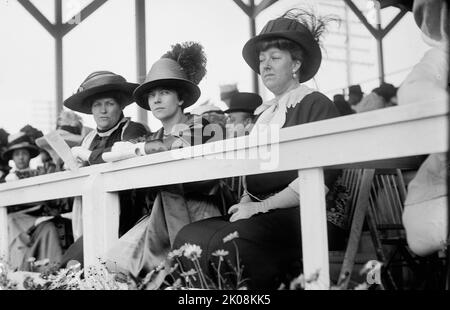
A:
x: 384, y: 218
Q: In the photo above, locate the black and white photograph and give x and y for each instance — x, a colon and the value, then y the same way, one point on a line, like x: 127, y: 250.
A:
x: 258, y: 147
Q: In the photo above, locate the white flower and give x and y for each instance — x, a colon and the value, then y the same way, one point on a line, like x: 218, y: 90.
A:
x: 175, y: 253
x: 189, y: 273
x: 220, y: 253
x: 192, y: 251
x: 230, y: 237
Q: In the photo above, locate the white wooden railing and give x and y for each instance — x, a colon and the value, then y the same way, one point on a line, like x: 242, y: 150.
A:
x: 361, y: 139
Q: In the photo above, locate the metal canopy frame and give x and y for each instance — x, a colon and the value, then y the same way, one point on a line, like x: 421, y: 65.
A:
x: 378, y: 33
x: 59, y: 29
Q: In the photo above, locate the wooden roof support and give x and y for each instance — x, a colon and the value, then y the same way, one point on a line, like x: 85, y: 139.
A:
x: 378, y: 33
x: 38, y: 16
x: 58, y: 30
x: 252, y: 11
x: 82, y: 15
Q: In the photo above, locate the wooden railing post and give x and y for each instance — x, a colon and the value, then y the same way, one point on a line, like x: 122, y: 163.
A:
x: 314, y: 229
x: 100, y: 220
x: 4, y: 242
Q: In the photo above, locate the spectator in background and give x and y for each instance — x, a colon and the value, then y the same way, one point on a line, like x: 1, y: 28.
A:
x: 35, y: 230
x: 4, y: 167
x: 227, y: 91
x: 379, y: 98
x: 240, y: 113
x: 342, y: 105
x: 212, y: 113
x: 70, y: 127
x: 355, y: 95
x: 21, y: 150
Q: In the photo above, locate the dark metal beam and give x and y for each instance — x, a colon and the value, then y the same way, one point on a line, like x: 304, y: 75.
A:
x: 262, y: 6
x: 393, y: 22
x: 141, y: 61
x: 244, y: 7
x: 82, y: 15
x: 58, y: 56
x: 38, y: 16
x: 362, y: 18
x: 252, y: 34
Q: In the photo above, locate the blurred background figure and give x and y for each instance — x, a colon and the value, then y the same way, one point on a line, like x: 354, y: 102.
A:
x: 379, y: 98
x: 240, y: 116
x: 70, y: 127
x: 4, y: 167
x: 355, y: 95
x: 20, y: 149
x: 213, y: 114
x: 227, y: 91
x: 342, y: 105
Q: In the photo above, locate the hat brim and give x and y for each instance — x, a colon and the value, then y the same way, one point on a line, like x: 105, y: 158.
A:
x: 312, y: 53
x: 77, y: 102
x: 192, y: 91
x: 238, y: 110
x: 34, y: 151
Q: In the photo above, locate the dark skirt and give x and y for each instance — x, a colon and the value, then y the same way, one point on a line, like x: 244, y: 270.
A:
x: 269, y: 247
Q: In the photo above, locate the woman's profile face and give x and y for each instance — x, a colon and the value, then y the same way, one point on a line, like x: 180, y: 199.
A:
x: 21, y: 158
x: 276, y: 67
x: 164, y: 103
x: 107, y: 112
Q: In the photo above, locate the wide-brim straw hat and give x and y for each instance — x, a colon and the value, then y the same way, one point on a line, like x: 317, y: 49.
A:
x: 96, y: 83
x: 20, y: 141
x: 244, y: 102
x: 168, y: 73
x: 294, y: 31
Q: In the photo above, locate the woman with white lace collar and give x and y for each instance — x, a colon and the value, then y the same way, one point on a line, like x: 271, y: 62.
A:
x: 286, y: 53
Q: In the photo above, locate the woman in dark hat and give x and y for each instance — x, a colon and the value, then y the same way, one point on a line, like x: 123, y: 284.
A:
x: 170, y: 87
x: 104, y: 94
x: 267, y: 219
x: 21, y: 150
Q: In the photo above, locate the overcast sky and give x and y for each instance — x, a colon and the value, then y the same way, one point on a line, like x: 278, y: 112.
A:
x: 106, y: 41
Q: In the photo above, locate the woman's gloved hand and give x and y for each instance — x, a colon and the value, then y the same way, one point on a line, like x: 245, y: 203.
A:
x: 123, y: 150
x: 81, y: 153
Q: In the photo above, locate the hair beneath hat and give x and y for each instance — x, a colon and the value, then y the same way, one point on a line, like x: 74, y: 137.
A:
x: 117, y: 95
x: 293, y: 48
x: 192, y: 59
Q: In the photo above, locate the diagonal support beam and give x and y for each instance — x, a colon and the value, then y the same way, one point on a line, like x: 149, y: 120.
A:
x: 362, y: 18
x: 38, y: 16
x: 247, y: 10
x: 81, y: 16
x: 262, y: 6
x: 393, y: 22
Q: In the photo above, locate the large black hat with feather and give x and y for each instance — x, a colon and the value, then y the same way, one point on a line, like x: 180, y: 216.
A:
x: 181, y: 68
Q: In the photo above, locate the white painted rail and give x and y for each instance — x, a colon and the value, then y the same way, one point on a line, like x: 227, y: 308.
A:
x: 362, y: 139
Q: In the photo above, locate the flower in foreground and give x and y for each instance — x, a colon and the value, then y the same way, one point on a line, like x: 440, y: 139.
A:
x: 175, y: 253
x: 189, y: 273
x: 220, y: 253
x: 230, y: 237
x: 192, y: 251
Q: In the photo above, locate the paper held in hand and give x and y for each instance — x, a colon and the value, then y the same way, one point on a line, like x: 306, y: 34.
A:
x: 62, y: 149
